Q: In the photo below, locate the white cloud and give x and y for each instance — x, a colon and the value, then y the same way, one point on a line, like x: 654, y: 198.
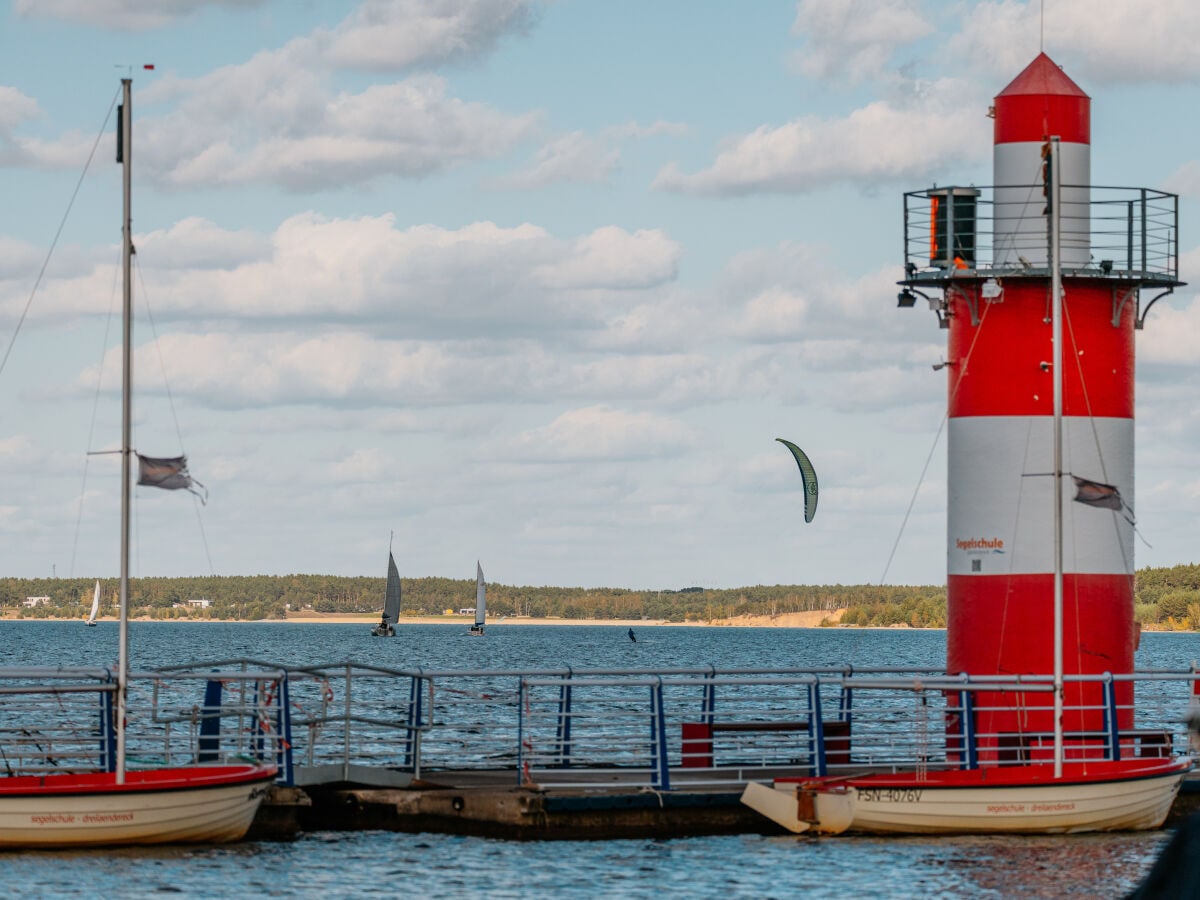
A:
x: 478, y: 280
x: 611, y: 258
x: 278, y: 119
x: 601, y: 433
x: 568, y: 158
x: 854, y: 39
x: 196, y: 243
x: 795, y: 291
x: 388, y: 35
x: 265, y: 122
x: 18, y: 260
x: 582, y: 159
x: 882, y: 141
x: 123, y: 15
x: 368, y: 465
x: 15, y: 108
x: 1184, y: 180
x: 656, y: 323
x: 1123, y: 41
x: 1172, y: 332
x: 775, y: 314
x: 18, y: 449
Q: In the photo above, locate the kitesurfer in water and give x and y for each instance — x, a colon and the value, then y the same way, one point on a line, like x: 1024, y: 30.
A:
x: 631, y: 636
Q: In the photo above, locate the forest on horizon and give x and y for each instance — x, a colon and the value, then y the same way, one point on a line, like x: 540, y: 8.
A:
x: 1165, y: 598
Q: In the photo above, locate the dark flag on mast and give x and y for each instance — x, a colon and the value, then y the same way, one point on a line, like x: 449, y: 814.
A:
x: 1093, y: 493
x: 169, y: 474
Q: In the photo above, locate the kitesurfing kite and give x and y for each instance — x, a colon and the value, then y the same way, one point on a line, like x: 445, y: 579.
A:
x: 809, y: 476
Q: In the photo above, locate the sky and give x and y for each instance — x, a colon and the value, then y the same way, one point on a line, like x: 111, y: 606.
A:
x: 533, y: 283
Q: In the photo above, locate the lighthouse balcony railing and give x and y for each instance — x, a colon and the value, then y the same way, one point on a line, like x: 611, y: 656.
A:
x: 1122, y: 234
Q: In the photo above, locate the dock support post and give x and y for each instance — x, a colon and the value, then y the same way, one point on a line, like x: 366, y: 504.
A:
x: 966, y: 703
x: 563, y: 736
x: 846, y: 698
x: 412, y: 744
x: 708, y: 706
x: 108, y: 734
x: 210, y: 723
x: 346, y: 730
x: 1111, y: 727
x: 283, y: 728
x: 816, y: 730
x: 661, y: 772
x: 521, y: 761
x: 259, y: 727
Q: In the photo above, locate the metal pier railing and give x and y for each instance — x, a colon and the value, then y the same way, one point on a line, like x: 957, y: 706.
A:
x: 704, y: 727
x: 58, y: 720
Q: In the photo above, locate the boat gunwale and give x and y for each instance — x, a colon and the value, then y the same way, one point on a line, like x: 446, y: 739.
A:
x: 138, y: 781
x: 1004, y: 777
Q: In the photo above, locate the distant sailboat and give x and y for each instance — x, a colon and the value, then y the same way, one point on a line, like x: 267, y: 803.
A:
x: 480, y: 600
x: 391, y: 601
x: 91, y: 619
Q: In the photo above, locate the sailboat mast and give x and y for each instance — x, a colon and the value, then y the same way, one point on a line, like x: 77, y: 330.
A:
x: 1057, y: 368
x: 126, y: 153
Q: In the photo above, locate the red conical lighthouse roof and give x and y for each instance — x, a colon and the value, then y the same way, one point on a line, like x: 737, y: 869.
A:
x: 1040, y: 102
x: 1042, y: 76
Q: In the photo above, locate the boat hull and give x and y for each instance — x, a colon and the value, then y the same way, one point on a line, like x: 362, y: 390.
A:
x: 1131, y: 795
x: 200, y: 804
x: 800, y: 810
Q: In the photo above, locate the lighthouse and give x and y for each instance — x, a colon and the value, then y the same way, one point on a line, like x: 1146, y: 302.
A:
x: 981, y: 258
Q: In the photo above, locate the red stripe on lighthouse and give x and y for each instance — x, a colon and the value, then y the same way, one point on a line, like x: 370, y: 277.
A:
x: 1001, y: 365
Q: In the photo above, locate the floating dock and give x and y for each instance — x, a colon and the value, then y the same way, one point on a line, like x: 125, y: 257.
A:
x: 562, y: 753
x: 481, y: 804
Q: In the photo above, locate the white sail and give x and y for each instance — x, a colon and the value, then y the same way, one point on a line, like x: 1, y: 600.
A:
x: 91, y: 619
x: 480, y: 596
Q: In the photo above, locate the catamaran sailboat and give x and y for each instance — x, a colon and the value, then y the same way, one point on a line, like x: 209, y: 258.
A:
x: 170, y: 804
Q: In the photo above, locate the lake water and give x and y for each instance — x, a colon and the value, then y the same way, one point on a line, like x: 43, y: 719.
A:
x: 331, y: 864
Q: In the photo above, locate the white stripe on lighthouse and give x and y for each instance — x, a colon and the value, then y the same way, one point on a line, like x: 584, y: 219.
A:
x: 1020, y: 218
x: 1000, y: 503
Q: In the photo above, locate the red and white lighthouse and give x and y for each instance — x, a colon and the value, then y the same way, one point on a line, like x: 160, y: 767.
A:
x: 987, y: 252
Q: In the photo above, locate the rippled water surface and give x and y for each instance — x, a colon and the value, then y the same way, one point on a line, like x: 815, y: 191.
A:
x: 331, y: 864
x: 385, y: 864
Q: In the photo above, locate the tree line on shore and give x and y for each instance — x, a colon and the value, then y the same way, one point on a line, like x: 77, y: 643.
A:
x: 1165, y: 598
